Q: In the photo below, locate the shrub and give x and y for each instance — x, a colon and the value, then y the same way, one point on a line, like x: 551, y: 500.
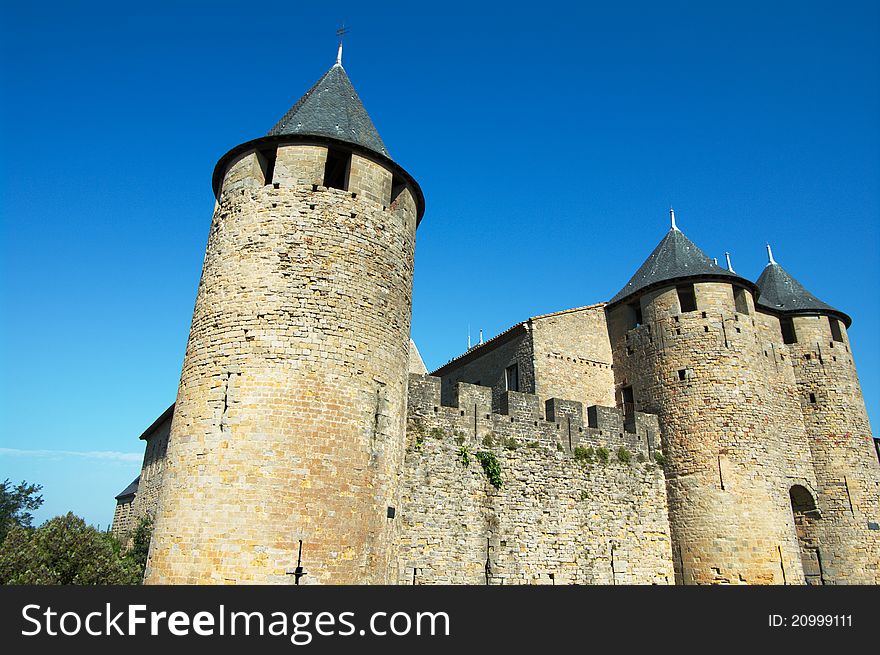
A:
x: 490, y: 467
x: 641, y: 457
x: 511, y: 444
x: 464, y: 456
x: 436, y: 433
x: 602, y: 454
x: 65, y: 551
x: 624, y: 455
x: 489, y: 440
x: 584, y: 455
x: 660, y: 458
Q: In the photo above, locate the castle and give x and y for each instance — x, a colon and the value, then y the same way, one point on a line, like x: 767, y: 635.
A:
x: 698, y: 428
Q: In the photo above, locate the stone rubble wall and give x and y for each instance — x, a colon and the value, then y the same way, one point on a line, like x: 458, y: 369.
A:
x: 554, y: 520
x: 289, y: 424
x: 705, y: 375
x: 843, y: 453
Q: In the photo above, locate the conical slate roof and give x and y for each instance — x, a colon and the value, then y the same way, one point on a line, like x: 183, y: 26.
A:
x: 675, y: 257
x: 332, y: 108
x: 780, y: 292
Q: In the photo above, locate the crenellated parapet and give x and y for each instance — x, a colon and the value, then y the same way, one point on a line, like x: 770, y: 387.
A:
x: 538, y: 493
x: 467, y: 409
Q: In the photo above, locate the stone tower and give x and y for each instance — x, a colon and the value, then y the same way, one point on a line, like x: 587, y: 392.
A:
x: 288, y: 431
x: 838, y: 525
x: 687, y: 347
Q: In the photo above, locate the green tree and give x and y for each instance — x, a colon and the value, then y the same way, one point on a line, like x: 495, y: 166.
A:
x: 140, y: 546
x: 16, y: 505
x: 64, y: 550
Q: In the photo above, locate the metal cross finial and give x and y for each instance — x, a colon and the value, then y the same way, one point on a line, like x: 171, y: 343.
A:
x: 672, y: 218
x: 729, y: 266
x: 770, y: 255
x: 341, y: 32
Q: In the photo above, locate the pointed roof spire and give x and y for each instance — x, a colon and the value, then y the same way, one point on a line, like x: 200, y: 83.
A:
x: 675, y: 257
x: 672, y: 218
x: 781, y: 293
x: 729, y: 265
x: 332, y: 108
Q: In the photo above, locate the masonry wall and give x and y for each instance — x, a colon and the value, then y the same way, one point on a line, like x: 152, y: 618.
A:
x: 845, y: 461
x: 705, y: 375
x: 572, y: 356
x: 554, y: 520
x: 487, y: 365
x: 289, y: 421
x: 146, y: 500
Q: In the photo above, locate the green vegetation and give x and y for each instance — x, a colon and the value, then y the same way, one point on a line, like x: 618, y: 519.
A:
x: 623, y: 455
x: 16, y: 505
x: 65, y: 551
x: 464, y: 456
x: 490, y: 467
x: 489, y: 440
x: 436, y: 433
x: 511, y: 443
x: 660, y: 458
x: 602, y: 454
x: 584, y: 455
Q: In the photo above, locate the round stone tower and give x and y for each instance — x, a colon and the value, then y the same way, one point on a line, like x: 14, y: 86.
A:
x: 839, y: 525
x: 288, y: 431
x: 686, y: 347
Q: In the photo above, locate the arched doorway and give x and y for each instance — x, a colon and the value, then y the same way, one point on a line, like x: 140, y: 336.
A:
x: 806, y: 521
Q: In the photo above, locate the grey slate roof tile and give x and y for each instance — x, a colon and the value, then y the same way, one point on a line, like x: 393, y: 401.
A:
x: 675, y: 256
x: 780, y: 292
x: 332, y: 108
x: 130, y: 490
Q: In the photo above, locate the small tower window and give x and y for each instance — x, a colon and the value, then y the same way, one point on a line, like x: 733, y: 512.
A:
x: 786, y: 325
x: 687, y: 299
x: 337, y: 169
x: 398, y: 184
x: 836, y: 334
x: 266, y: 159
x: 739, y: 298
x: 511, y: 377
x: 637, y: 313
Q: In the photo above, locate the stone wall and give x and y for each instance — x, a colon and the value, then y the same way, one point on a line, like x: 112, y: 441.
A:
x: 146, y: 499
x: 705, y: 375
x: 486, y: 365
x: 846, y: 466
x: 290, y: 415
x: 554, y: 520
x: 572, y: 356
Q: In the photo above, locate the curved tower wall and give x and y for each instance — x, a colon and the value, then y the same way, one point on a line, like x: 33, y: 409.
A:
x: 289, y: 421
x: 847, y: 470
x: 705, y: 375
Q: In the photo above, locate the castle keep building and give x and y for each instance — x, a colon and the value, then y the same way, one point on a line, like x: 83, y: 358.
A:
x: 698, y: 428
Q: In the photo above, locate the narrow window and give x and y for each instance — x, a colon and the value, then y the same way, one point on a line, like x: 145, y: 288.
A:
x: 739, y: 298
x: 687, y: 299
x: 682, y: 374
x: 637, y: 312
x: 511, y: 377
x: 812, y: 398
x: 836, y: 334
x: 266, y: 159
x: 629, y: 401
x: 786, y: 325
x: 337, y: 169
x: 398, y: 184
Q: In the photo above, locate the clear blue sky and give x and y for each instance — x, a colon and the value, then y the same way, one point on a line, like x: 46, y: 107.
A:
x: 550, y: 140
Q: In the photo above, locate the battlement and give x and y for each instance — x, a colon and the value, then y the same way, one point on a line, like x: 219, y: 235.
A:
x: 524, y: 418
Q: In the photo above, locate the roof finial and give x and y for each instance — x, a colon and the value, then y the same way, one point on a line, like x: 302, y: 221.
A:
x: 672, y: 218
x: 729, y: 266
x: 770, y: 259
x: 342, y: 31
